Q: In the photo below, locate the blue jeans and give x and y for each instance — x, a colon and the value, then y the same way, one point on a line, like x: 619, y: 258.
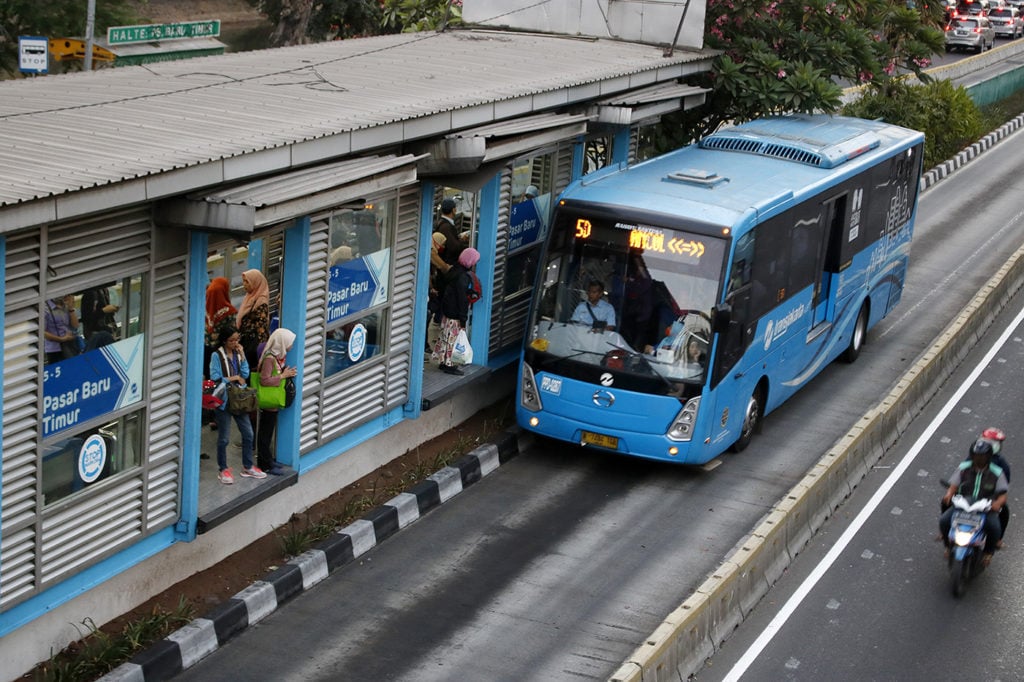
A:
x: 223, y: 418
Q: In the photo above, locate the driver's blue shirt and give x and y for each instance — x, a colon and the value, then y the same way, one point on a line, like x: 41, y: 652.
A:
x: 603, y: 312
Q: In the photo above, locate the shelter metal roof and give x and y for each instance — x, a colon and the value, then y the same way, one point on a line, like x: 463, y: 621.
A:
x: 173, y: 127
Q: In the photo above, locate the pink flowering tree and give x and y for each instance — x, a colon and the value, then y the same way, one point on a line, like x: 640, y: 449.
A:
x: 797, y: 55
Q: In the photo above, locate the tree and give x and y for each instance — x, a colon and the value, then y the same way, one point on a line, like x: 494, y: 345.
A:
x: 792, y: 55
x: 402, y: 16
x: 53, y: 19
x: 302, y: 21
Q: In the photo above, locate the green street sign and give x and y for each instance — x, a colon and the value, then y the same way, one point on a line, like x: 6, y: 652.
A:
x: 151, y: 33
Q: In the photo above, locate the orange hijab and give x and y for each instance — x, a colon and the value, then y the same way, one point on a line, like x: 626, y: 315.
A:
x: 218, y: 297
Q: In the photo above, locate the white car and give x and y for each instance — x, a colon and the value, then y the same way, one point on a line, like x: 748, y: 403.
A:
x: 1006, y: 22
x: 970, y: 33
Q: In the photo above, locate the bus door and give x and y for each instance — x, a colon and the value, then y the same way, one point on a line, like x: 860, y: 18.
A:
x: 834, y: 213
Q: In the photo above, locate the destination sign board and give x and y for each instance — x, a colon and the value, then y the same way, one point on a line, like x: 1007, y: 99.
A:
x: 151, y: 33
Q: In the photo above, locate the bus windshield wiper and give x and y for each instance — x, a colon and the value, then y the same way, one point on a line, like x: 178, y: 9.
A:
x: 647, y: 363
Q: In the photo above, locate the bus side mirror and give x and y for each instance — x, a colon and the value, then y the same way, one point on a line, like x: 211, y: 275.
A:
x: 721, y: 316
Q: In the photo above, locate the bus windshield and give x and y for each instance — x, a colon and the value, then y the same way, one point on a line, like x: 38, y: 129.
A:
x: 620, y: 294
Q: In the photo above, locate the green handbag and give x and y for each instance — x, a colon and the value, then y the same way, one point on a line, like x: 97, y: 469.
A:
x: 270, y: 397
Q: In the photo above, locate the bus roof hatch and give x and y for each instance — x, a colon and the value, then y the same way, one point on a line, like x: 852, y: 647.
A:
x: 697, y: 176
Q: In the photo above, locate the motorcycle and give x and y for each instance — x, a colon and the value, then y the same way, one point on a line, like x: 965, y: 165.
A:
x: 966, y: 541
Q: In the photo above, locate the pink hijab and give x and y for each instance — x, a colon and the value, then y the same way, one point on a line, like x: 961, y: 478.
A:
x: 260, y: 293
x: 469, y: 257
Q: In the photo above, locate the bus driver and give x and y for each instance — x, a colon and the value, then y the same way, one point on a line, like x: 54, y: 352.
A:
x: 595, y: 312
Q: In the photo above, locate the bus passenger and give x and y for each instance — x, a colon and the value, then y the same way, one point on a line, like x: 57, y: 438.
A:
x: 595, y: 311
x: 695, y: 351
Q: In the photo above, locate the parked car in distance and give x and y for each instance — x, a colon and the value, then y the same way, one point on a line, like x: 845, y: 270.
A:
x: 1007, y: 22
x: 970, y: 33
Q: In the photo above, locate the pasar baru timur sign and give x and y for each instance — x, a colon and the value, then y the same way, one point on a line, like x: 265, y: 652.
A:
x: 151, y: 33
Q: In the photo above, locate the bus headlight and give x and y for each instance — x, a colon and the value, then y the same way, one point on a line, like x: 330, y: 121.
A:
x: 682, y: 426
x: 529, y: 398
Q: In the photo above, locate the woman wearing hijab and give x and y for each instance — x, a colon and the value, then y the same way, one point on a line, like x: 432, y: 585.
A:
x: 273, y: 371
x: 219, y: 312
x: 455, y: 300
x: 438, y: 270
x: 228, y: 366
x: 254, y: 313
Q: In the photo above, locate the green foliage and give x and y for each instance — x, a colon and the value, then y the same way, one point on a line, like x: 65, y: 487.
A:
x: 783, y: 56
x: 405, y: 16
x: 944, y: 112
x: 53, y: 19
x: 327, y: 20
x: 338, y: 19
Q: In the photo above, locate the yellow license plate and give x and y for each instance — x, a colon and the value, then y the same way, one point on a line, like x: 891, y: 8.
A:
x: 599, y: 439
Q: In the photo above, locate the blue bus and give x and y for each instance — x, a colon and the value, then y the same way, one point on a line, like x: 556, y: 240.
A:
x: 682, y: 299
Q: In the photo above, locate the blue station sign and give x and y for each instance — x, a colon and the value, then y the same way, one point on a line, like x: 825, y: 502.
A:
x: 92, y: 384
x: 358, y: 284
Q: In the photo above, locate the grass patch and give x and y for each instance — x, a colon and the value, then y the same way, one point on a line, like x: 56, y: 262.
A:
x: 99, y: 652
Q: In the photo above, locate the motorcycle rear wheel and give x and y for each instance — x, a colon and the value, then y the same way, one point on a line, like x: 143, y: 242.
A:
x: 959, y: 574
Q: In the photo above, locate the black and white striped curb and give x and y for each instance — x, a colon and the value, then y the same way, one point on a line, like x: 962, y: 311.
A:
x: 185, y: 647
x: 944, y: 170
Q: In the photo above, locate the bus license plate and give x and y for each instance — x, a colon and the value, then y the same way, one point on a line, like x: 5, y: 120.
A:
x: 599, y: 439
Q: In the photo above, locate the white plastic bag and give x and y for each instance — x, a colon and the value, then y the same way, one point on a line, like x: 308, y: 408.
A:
x: 462, y: 354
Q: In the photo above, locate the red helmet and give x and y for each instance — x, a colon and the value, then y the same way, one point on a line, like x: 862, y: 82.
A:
x: 992, y: 433
x: 995, y: 437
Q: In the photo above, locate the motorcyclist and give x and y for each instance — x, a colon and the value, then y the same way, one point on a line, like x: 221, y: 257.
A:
x: 996, y: 437
x: 975, y: 479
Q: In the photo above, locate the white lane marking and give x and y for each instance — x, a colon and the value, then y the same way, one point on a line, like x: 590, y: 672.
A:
x: 751, y: 654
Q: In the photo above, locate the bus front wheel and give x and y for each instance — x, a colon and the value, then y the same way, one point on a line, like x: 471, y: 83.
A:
x: 860, y: 332
x: 751, y: 421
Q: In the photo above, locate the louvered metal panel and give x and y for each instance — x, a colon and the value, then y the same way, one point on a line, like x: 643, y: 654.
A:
x: 403, y: 287
x: 18, y: 513
x: 90, y: 529
x: 316, y: 329
x: 563, y: 170
x: 634, y: 144
x: 162, y: 490
x: 500, y: 260
x: 513, y: 320
x: 19, y: 579
x: 87, y: 252
x: 166, y: 393
x: 349, y: 403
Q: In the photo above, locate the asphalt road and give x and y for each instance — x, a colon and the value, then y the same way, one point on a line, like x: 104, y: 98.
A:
x: 559, y: 564
x: 871, y: 598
